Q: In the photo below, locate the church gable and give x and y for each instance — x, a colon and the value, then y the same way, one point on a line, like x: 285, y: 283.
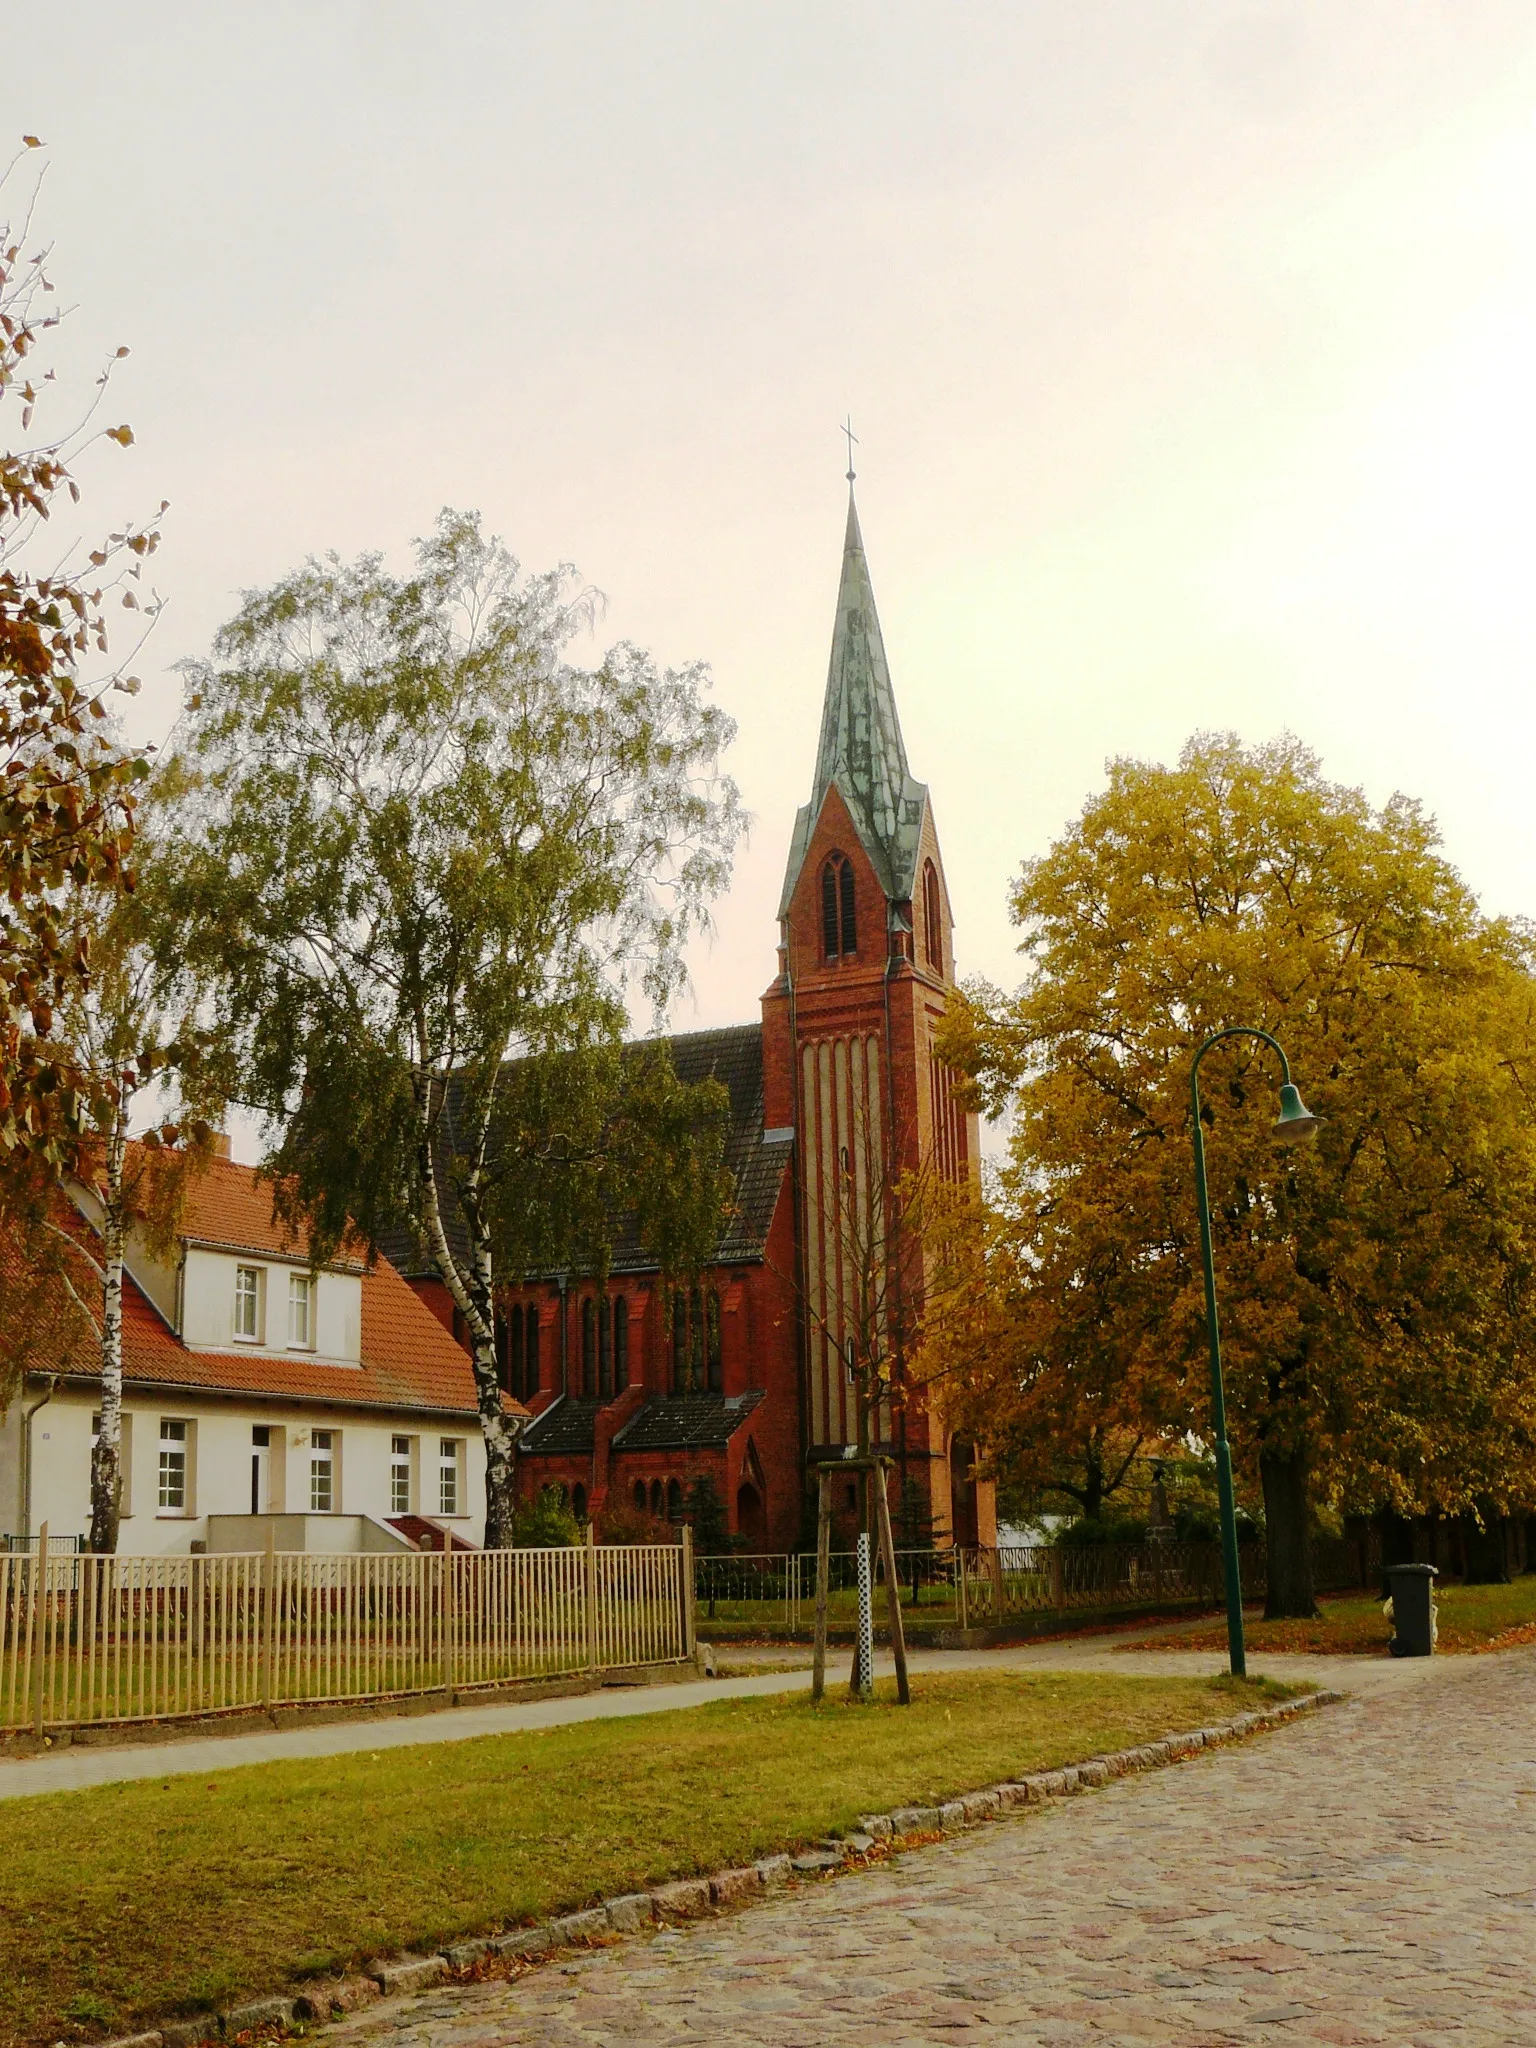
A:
x: 931, y: 915
x: 837, y: 919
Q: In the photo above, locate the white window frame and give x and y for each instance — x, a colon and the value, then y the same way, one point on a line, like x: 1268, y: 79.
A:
x: 450, y: 1476
x: 402, y: 1463
x: 324, y: 1452
x: 301, y: 1291
x: 248, y: 1295
x: 171, y: 1445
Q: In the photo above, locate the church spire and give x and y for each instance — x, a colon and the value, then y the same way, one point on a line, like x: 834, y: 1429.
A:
x: 861, y: 748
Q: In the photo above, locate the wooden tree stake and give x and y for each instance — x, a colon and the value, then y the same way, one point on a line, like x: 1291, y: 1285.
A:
x: 823, y: 1570
x: 892, y: 1589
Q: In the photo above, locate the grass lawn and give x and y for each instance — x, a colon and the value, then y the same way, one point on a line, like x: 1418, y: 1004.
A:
x: 132, y: 1902
x: 1471, y: 1618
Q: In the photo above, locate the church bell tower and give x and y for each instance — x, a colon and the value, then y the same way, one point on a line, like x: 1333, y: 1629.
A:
x: 866, y: 967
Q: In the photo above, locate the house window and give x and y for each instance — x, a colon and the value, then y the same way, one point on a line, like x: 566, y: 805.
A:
x: 933, y: 918
x: 639, y: 1496
x: 620, y: 1344
x: 674, y: 1501
x: 449, y: 1484
x: 173, y: 1466
x: 399, y: 1475
x: 579, y: 1501
x: 605, y: 1348
x: 839, y: 925
x: 301, y: 1311
x: 657, y: 1499
x: 248, y: 1304
x: 322, y: 1471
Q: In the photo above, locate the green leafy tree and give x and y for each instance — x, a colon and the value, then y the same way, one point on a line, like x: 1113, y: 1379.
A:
x: 915, y: 1529
x: 425, y: 860
x: 706, y: 1511
x: 1375, y: 1287
x: 546, y: 1522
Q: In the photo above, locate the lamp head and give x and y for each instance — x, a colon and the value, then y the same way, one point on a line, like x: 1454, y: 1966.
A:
x: 1295, y: 1121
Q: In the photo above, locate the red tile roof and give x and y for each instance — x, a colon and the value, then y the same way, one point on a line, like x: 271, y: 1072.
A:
x: 229, y: 1206
x: 408, y: 1359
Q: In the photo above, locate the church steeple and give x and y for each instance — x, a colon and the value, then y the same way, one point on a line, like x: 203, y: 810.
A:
x: 861, y: 749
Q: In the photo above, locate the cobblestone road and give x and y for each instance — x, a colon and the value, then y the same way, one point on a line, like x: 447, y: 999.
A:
x: 1367, y: 1876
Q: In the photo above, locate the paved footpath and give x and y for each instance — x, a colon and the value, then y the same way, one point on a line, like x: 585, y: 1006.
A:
x: 76, y: 1769
x: 1365, y: 1876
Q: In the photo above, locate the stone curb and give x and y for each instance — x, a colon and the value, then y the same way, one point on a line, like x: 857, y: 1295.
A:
x: 687, y: 1898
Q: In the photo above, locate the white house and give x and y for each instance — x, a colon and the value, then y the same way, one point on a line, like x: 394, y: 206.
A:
x: 330, y: 1400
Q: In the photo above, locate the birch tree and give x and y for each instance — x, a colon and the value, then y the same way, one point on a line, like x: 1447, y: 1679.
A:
x: 137, y: 1062
x: 426, y: 859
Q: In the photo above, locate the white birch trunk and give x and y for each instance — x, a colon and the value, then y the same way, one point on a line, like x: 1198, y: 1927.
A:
x: 106, y: 1457
x: 472, y: 1294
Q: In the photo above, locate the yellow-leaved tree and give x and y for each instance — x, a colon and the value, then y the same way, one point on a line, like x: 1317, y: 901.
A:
x: 1375, y: 1287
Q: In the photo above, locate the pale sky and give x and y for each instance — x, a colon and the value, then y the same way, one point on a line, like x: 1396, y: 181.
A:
x: 1191, y: 349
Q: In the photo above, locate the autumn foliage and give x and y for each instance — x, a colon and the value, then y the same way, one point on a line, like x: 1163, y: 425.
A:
x: 66, y: 785
x: 1377, y: 1286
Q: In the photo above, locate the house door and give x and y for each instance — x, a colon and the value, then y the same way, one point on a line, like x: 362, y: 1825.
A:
x: 261, y: 1470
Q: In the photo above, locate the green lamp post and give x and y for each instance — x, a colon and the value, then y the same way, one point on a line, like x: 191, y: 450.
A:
x: 1294, y: 1123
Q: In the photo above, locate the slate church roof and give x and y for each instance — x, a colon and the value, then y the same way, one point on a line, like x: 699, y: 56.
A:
x: 861, y: 748
x: 732, y: 1055
x: 687, y: 1422
x: 668, y: 1422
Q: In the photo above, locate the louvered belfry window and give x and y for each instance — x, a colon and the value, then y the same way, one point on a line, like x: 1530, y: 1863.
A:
x: 839, y: 927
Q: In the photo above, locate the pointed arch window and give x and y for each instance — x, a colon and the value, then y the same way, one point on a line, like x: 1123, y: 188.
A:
x: 517, y: 1349
x: 605, y: 1348
x: 933, y: 918
x: 588, y: 1385
x: 531, y: 1353
x: 839, y: 925
x: 620, y: 1345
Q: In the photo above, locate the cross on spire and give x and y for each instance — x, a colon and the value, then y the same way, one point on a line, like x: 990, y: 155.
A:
x: 847, y: 428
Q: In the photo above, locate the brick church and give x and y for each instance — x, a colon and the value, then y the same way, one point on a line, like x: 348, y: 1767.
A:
x: 638, y: 1390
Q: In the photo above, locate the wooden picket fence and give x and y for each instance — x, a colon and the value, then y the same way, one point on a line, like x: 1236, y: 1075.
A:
x: 90, y: 1640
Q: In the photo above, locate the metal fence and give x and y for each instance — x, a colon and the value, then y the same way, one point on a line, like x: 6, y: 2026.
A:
x: 779, y: 1588
x: 87, y: 1640
x: 976, y: 1586
x: 1061, y: 1578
